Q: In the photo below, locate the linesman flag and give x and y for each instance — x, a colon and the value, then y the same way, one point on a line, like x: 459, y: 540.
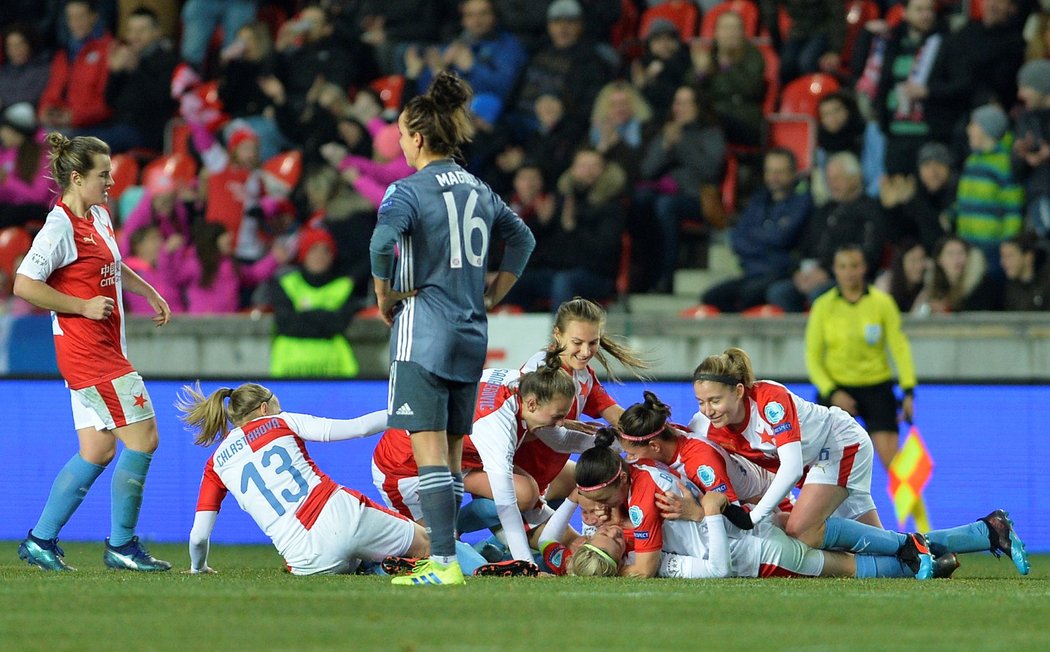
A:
x: 909, y: 473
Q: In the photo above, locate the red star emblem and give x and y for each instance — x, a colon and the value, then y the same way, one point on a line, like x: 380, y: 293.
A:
x: 140, y: 401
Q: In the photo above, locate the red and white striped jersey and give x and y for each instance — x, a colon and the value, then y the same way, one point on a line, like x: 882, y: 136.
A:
x: 590, y: 399
x: 78, y: 256
x: 774, y: 416
x: 266, y: 466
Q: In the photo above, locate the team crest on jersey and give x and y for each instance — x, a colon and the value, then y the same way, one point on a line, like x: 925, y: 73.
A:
x: 774, y: 412
x: 383, y: 203
x: 636, y: 515
x: 706, y: 475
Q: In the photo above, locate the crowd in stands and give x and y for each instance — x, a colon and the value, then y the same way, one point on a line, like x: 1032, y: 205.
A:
x: 243, y: 129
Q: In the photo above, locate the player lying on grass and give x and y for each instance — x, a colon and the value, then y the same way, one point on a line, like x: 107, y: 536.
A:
x: 317, y: 525
x: 673, y: 547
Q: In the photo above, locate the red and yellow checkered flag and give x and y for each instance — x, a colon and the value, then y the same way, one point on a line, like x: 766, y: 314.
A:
x: 909, y: 473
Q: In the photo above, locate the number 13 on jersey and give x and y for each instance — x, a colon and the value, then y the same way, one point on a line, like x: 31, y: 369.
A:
x: 461, y: 239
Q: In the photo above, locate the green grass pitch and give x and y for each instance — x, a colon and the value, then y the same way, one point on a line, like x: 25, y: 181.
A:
x: 251, y: 604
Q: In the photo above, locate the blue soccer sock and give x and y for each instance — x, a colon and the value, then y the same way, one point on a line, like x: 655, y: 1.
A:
x: 478, y: 514
x: 437, y: 502
x: 67, y: 492
x: 881, y: 566
x: 129, y: 480
x: 856, y: 537
x: 469, y: 559
x: 972, y: 537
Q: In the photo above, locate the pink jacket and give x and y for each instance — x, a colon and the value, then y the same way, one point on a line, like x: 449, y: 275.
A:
x: 142, y: 215
x: 224, y: 294
x: 375, y: 177
x: 14, y: 190
x: 161, y: 278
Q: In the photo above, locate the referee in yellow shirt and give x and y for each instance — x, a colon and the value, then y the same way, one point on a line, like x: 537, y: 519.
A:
x: 851, y: 331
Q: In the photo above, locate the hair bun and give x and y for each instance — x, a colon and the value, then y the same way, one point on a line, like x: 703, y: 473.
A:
x: 449, y: 92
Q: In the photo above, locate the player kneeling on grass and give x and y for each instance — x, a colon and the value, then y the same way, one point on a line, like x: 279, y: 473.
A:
x: 648, y: 494
x: 317, y: 525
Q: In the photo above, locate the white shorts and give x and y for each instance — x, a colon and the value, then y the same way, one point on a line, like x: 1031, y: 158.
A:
x: 351, y: 528
x: 112, y: 404
x: 781, y: 556
x: 845, y: 461
x: 400, y: 493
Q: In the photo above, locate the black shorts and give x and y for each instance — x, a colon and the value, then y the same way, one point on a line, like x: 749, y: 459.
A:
x: 876, y: 405
x: 418, y: 400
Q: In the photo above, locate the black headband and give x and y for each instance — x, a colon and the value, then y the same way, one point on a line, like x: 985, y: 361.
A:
x: 718, y: 378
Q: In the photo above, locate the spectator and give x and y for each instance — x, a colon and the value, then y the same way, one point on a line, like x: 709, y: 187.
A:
x: 732, y: 71
x: 554, y: 143
x: 313, y: 305
x: 1027, y: 274
x: 213, y: 280
x: 989, y: 202
x: 687, y: 153
x: 618, y: 120
x: 154, y: 258
x: 907, y: 273
x: 663, y: 66
x: 372, y: 177
x: 311, y: 52
x: 849, y: 217
x: 900, y: 98
x: 392, y: 27
x: 765, y: 235
x: 818, y: 32
x: 957, y: 281
x: 525, y: 19
x: 849, y: 332
x: 138, y: 88
x: 1031, y: 149
x: 76, y: 89
x: 921, y: 209
x: 26, y: 188
x: 489, y: 58
x: 167, y: 204
x: 199, y: 19
x: 840, y: 128
x: 568, y: 67
x: 587, y: 222
x: 25, y: 69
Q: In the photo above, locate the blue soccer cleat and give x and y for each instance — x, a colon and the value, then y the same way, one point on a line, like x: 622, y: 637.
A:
x: 1003, y: 538
x: 43, y: 553
x: 915, y: 554
x: 132, y: 556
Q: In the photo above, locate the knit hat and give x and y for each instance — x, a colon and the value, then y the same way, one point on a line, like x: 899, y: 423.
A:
x: 661, y: 26
x: 310, y: 236
x: 21, y: 118
x: 934, y: 151
x: 992, y: 120
x: 487, y: 107
x: 1036, y: 75
x: 386, y: 142
x: 564, y: 10
x: 240, y: 134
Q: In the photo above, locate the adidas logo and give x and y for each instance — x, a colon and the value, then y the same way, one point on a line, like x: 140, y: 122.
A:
x: 405, y: 411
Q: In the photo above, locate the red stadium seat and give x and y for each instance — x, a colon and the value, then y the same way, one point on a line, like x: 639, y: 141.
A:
x: 747, y: 9
x: 701, y: 311
x: 894, y: 15
x: 683, y: 13
x: 803, y: 95
x: 771, y: 74
x: 763, y: 311
x: 390, y: 89
x: 858, y: 13
x: 125, y: 172
x: 795, y: 132
x: 14, y: 243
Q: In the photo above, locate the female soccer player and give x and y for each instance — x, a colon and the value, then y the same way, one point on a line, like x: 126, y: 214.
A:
x: 510, y: 406
x: 74, y: 269
x: 711, y: 548
x: 317, y: 525
x: 441, y: 219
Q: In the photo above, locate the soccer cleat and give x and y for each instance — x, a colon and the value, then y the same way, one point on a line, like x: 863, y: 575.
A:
x: 398, y: 566
x: 945, y: 565
x: 44, y: 553
x: 511, y: 568
x: 132, y: 556
x: 1003, y: 538
x: 430, y: 573
x: 915, y: 554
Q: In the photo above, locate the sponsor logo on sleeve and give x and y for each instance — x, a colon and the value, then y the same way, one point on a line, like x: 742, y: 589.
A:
x: 641, y: 535
x: 636, y: 515
x: 784, y: 427
x: 773, y: 412
x: 706, y: 475
x: 722, y: 488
